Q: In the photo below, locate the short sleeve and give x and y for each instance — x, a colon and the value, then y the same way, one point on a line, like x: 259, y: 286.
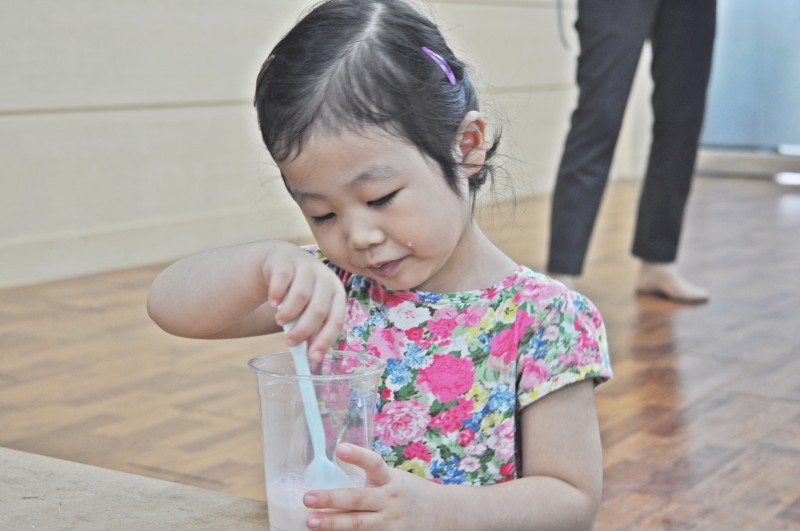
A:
x: 569, y: 346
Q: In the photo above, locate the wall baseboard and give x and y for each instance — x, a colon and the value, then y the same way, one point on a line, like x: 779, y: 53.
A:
x: 743, y: 162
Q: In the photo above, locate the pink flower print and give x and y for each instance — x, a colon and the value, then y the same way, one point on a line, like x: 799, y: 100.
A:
x: 586, y: 341
x: 348, y: 364
x: 577, y: 323
x: 414, y: 335
x: 502, y: 440
x: 401, y: 422
x: 508, y: 469
x: 442, y: 324
x: 550, y: 333
x: 417, y: 450
x: 597, y: 321
x: 490, y: 293
x: 356, y: 345
x: 510, y: 281
x: 470, y: 464
x: 569, y: 359
x: 503, y: 348
x: 534, y: 373
x: 392, y: 300
x: 417, y: 337
x: 548, y: 290
x: 448, y: 312
x: 528, y: 291
x: 522, y: 322
x: 408, y: 315
x: 505, y: 344
x: 447, y: 377
x: 472, y: 316
x: 441, y: 329
x: 386, y: 343
x: 475, y: 448
x: 465, y: 437
x: 445, y: 423
x: 356, y: 314
x: 450, y: 419
x: 378, y: 294
x: 463, y: 409
x: 580, y: 357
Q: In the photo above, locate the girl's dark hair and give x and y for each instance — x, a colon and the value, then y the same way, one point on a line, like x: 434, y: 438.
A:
x: 353, y: 63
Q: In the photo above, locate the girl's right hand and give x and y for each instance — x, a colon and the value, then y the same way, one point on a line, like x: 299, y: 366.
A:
x: 304, y: 290
x: 250, y: 289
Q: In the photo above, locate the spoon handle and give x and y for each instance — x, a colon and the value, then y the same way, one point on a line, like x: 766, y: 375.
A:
x: 310, y: 404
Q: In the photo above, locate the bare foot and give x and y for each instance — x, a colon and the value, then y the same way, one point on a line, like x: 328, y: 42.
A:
x: 664, y: 280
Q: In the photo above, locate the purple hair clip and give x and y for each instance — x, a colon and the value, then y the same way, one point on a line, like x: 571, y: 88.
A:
x: 442, y: 64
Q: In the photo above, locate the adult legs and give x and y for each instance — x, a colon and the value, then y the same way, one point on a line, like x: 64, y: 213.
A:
x: 682, y: 40
x: 611, y: 33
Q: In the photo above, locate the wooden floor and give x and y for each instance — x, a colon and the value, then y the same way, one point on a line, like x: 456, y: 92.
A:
x: 701, y: 425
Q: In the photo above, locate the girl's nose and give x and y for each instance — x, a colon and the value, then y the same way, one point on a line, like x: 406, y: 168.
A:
x: 363, y: 236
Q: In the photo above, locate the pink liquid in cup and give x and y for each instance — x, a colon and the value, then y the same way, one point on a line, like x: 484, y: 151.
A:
x: 285, y: 501
x: 285, y: 504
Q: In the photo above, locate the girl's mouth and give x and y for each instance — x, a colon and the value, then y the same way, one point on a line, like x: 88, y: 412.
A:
x: 385, y: 269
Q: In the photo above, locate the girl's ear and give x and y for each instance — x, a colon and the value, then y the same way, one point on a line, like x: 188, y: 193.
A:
x: 471, y: 141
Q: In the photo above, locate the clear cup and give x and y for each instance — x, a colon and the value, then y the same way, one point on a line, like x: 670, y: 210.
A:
x: 346, y: 386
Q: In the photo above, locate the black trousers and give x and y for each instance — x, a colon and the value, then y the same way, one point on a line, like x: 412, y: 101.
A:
x: 612, y: 34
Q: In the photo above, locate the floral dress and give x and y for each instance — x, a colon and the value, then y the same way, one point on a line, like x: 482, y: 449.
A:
x: 460, y: 367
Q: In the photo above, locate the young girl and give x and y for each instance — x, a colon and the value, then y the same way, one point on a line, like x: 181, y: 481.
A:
x: 374, y: 125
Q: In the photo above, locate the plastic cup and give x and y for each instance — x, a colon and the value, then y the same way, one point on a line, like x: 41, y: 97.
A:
x: 346, y: 386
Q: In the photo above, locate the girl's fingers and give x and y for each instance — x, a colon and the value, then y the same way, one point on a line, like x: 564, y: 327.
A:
x: 313, y: 315
x: 345, y: 500
x: 373, y: 464
x: 355, y: 499
x: 294, y: 302
x: 278, y: 276
x: 309, y: 295
x: 330, y: 329
x: 345, y: 521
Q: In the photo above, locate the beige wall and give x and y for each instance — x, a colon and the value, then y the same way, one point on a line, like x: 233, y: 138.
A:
x: 127, y: 134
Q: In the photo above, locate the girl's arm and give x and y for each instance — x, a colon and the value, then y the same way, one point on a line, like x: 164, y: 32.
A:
x: 236, y: 292
x: 561, y: 487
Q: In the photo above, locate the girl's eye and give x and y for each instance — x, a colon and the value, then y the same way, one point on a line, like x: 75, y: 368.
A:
x: 385, y: 200
x: 319, y: 220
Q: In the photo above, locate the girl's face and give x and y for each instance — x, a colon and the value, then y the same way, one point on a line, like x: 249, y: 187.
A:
x: 379, y: 208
